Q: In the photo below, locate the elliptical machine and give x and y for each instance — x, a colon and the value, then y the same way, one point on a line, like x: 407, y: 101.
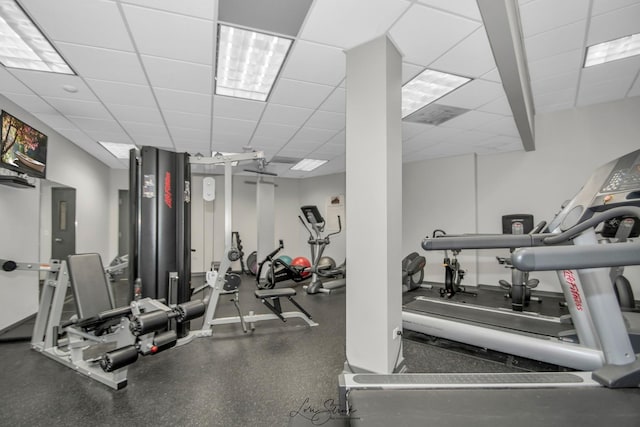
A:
x: 321, y: 266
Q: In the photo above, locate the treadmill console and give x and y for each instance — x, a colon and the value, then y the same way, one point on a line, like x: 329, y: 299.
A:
x: 615, y: 184
x: 312, y: 214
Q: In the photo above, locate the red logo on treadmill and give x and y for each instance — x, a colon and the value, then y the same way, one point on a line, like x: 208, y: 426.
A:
x: 573, y: 287
x: 168, y: 200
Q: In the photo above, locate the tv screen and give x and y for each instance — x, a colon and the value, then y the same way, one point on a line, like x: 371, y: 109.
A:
x: 24, y: 149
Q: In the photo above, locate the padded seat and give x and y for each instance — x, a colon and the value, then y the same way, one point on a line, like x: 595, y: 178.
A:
x: 275, y: 293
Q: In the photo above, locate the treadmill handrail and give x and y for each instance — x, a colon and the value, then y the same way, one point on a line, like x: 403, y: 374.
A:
x: 498, y: 241
x: 576, y: 257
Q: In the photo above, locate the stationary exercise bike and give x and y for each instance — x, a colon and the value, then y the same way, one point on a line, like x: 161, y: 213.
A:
x: 453, y: 274
x: 519, y: 290
x: 321, y: 266
x: 278, y: 270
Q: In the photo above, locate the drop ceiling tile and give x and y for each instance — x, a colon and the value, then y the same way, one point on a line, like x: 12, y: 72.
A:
x: 409, y: 71
x: 243, y: 128
x: 130, y: 113
x: 170, y: 35
x: 466, y: 8
x: 622, y: 70
x: 416, y: 145
x: 56, y: 121
x: 338, y: 139
x: 52, y: 84
x: 492, y: 76
x: 471, y: 137
x: 435, y: 134
x: 472, y: 57
x: 103, y: 64
x: 327, y: 120
x: 122, y: 93
x: 472, y: 120
x: 555, y: 82
x: 184, y: 136
x: 89, y: 22
x: 79, y: 108
x: 498, y: 106
x: 604, y: 6
x: 8, y: 83
x: 199, y: 8
x: 351, y: 22
x: 473, y: 94
x: 160, y: 141
x: 285, y: 115
x: 502, y: 126
x: 499, y: 141
x: 328, y: 151
x: 423, y: 34
x: 234, y: 108
x: 336, y: 102
x: 31, y: 103
x: 88, y: 124
x: 557, y: 40
x: 137, y: 129
x: 191, y: 77
x: 543, y: 15
x: 566, y: 96
x: 563, y: 63
x: 275, y: 131
x: 263, y: 142
x: 187, y: 102
x: 542, y: 109
x: 409, y: 129
x: 309, y: 136
x: 315, y: 63
x: 299, y: 94
x: 615, y: 24
x: 187, y: 120
x: 119, y: 137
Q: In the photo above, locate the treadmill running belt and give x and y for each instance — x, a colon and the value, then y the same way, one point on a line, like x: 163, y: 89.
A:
x: 488, y: 318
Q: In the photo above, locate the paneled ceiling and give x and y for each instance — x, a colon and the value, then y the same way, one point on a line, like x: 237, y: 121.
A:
x: 145, y: 74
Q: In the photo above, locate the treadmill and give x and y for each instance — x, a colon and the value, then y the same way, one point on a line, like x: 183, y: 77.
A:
x: 544, y: 338
x: 609, y: 393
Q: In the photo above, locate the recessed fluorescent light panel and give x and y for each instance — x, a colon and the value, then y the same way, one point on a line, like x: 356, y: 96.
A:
x: 120, y: 151
x: 248, y: 62
x: 307, y: 165
x: 427, y: 87
x: 612, y: 50
x: 23, y: 45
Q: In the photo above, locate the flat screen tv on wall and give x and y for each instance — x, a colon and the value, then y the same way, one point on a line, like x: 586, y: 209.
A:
x: 24, y: 149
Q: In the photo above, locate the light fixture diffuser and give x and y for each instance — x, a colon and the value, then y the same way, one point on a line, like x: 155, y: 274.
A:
x: 623, y: 47
x: 23, y: 44
x: 427, y: 87
x: 307, y: 165
x: 120, y: 151
x: 248, y: 62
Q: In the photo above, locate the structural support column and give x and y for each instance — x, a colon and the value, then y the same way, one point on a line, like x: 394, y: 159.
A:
x: 265, y: 207
x: 374, y: 207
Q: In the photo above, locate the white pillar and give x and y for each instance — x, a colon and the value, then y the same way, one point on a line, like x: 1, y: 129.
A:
x: 265, y: 207
x: 374, y: 206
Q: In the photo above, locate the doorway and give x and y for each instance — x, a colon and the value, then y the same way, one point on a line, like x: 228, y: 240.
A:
x: 63, y: 222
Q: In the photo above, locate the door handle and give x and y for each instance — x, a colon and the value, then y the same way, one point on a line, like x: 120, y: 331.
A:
x: 58, y: 240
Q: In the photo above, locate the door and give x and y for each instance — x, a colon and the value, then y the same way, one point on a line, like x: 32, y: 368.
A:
x: 123, y: 222
x: 63, y: 222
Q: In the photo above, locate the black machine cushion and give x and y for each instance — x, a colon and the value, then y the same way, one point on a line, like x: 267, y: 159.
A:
x: 273, y: 293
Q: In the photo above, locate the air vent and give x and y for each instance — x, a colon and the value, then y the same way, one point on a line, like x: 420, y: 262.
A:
x: 435, y: 114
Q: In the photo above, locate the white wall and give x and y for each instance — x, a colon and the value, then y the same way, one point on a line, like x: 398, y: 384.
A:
x: 439, y: 194
x: 67, y: 165
x: 118, y: 180
x: 569, y: 146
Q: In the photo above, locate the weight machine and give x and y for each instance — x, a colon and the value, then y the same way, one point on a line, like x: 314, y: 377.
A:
x: 220, y: 282
x: 100, y: 341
